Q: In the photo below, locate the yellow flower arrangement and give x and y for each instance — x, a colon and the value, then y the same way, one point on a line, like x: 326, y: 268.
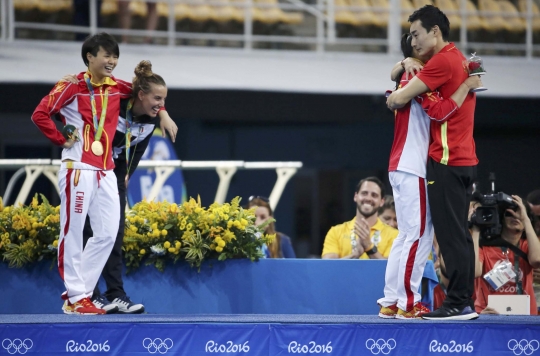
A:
x: 29, y: 233
x: 155, y: 232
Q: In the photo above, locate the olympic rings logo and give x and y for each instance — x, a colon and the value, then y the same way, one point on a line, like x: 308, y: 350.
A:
x: 157, y: 345
x: 380, y: 346
x: 17, y: 346
x: 523, y: 346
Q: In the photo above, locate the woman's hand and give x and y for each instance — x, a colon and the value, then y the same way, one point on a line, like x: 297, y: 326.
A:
x: 412, y: 67
x: 167, y: 125
x: 70, y: 78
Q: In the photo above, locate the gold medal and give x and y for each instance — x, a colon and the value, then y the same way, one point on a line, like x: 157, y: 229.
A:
x: 97, y: 148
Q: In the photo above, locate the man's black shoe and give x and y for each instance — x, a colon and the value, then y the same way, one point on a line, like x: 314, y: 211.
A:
x: 444, y: 313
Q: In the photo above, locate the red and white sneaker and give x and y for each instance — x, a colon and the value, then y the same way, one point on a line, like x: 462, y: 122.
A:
x: 389, y: 312
x: 416, y: 312
x: 83, y: 307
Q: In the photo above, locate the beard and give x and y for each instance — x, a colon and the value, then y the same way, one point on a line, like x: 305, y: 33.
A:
x: 366, y: 215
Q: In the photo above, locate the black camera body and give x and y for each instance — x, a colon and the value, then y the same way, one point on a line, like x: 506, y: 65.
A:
x: 487, y: 216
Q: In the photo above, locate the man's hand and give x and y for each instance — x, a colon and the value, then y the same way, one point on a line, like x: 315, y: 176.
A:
x: 362, y: 230
x: 412, y: 67
x: 473, y: 82
x: 168, y: 125
x: 391, y: 101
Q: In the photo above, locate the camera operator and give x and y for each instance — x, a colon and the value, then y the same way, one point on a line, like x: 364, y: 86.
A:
x: 517, y: 230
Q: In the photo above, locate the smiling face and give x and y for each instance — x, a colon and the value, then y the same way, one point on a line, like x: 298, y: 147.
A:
x: 154, y: 100
x: 368, y: 199
x: 423, y: 42
x: 101, y: 65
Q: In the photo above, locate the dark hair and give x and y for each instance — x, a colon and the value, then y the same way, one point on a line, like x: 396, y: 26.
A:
x: 93, y: 43
x: 407, y: 50
x: 275, y: 247
x: 144, y: 77
x: 371, y: 179
x: 431, y: 16
x: 388, y: 204
x: 534, y: 197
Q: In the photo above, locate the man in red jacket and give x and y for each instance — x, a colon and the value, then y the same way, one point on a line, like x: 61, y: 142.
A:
x: 86, y: 178
x: 451, y: 168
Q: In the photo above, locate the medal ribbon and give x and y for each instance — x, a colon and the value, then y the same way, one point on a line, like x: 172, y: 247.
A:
x: 129, y: 121
x: 98, y: 126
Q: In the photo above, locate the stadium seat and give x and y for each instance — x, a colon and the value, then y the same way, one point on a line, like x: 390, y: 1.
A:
x: 407, y: 9
x: 381, y: 11
x: 25, y: 5
x: 343, y: 15
x: 522, y: 6
x: 450, y: 9
x: 419, y: 3
x: 227, y: 12
x: 474, y: 22
x: 494, y: 21
x: 514, y: 22
x: 364, y: 16
x: 52, y: 6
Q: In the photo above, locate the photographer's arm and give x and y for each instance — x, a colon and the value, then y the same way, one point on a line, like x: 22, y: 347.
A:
x: 532, y: 239
x: 478, y: 265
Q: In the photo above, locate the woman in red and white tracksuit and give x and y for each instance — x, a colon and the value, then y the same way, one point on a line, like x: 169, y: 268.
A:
x: 87, y: 182
x: 407, y: 174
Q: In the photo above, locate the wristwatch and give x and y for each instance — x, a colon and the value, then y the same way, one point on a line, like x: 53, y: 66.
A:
x: 372, y: 251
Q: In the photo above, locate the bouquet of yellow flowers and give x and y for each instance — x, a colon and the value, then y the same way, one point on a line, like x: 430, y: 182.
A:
x: 29, y: 233
x: 157, y: 232
x: 154, y: 233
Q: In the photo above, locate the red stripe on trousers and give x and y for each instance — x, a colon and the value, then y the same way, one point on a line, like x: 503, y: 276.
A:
x: 409, y: 267
x: 66, y: 227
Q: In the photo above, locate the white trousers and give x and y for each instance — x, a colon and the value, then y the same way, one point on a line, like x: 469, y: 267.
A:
x: 86, y: 192
x: 412, y: 246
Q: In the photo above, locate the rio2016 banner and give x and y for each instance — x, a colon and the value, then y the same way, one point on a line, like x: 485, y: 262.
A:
x: 414, y: 338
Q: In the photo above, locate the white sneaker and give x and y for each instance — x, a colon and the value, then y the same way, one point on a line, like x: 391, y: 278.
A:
x: 102, y: 303
x: 126, y: 306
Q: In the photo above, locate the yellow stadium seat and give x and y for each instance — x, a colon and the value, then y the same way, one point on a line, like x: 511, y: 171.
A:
x: 407, y: 9
x: 419, y: 3
x: 109, y: 7
x: 474, y: 22
x: 522, y: 6
x: 201, y: 12
x: 25, y: 5
x: 138, y: 8
x: 494, y: 21
x: 344, y: 16
x: 227, y: 12
x: 364, y: 17
x: 510, y: 15
x: 450, y: 9
x: 381, y: 14
x: 55, y: 5
x: 271, y: 13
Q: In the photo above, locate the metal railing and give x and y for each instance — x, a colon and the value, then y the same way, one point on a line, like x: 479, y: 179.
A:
x: 33, y: 168
x: 325, y: 32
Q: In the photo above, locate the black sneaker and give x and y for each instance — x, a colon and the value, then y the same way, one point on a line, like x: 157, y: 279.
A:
x: 102, y: 303
x: 444, y: 313
x: 126, y: 306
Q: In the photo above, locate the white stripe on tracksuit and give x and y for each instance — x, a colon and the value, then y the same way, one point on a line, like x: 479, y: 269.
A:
x: 411, y: 247
x: 84, y: 190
